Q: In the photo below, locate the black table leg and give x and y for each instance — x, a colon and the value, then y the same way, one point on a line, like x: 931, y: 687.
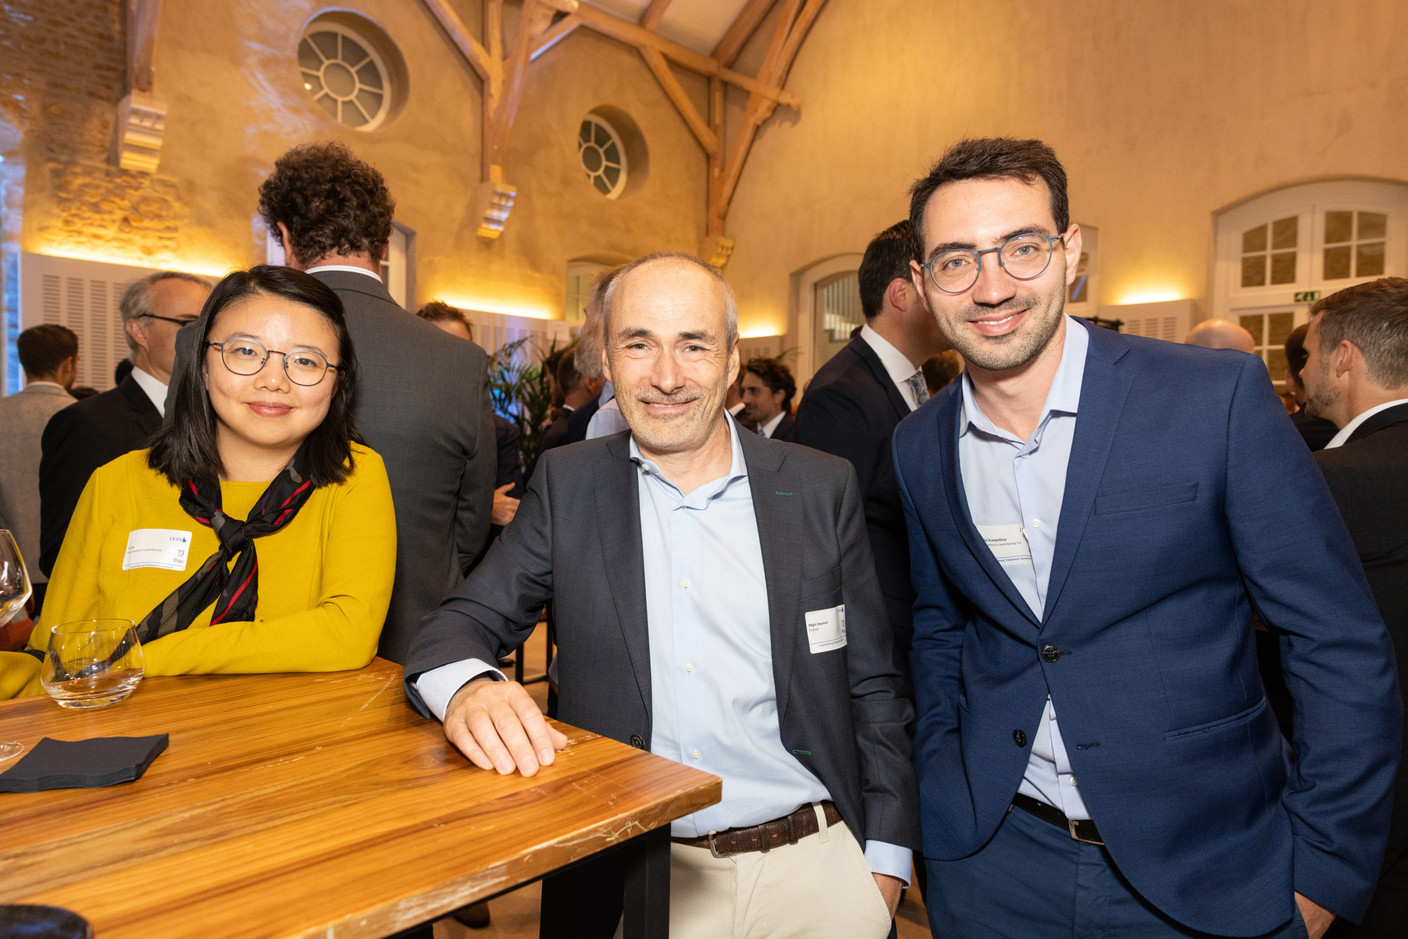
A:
x: 647, y: 906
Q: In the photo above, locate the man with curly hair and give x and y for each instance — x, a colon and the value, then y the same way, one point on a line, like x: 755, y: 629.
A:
x: 423, y: 396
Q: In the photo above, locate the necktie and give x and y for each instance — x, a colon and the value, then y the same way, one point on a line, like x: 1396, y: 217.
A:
x: 916, y: 384
x: 761, y: 432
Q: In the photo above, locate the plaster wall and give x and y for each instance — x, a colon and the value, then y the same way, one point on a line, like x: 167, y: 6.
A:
x: 1163, y: 113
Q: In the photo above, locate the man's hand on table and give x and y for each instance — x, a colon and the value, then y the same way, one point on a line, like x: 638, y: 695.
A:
x: 498, y: 726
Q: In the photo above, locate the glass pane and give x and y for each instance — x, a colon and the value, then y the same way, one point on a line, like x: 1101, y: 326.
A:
x: 1338, y: 226
x: 352, y: 53
x: 1254, y: 271
x: 613, y: 176
x: 370, y: 101
x: 584, y: 133
x: 1372, y: 225
x: 1276, y: 363
x: 1284, y: 232
x: 1369, y: 260
x: 313, y: 82
x: 308, y: 56
x: 1337, y: 263
x: 351, y: 116
x: 1283, y: 268
x: 326, y: 43
x: 611, y: 152
x: 602, y: 186
x: 1254, y: 239
x: 329, y: 104
x: 1279, y: 326
x: 600, y: 135
x: 369, y: 75
x: 1253, y: 324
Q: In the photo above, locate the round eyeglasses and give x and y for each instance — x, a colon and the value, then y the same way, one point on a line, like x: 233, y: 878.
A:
x: 247, y: 357
x: 1022, y: 256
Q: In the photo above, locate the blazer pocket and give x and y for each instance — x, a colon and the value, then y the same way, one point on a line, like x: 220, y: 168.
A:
x: 1219, y: 725
x: 1132, y: 500
x: 823, y: 588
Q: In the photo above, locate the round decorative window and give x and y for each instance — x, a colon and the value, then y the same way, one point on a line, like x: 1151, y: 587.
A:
x: 345, y: 75
x: 602, y: 156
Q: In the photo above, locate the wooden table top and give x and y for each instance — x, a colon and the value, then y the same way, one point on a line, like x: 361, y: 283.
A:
x: 308, y: 804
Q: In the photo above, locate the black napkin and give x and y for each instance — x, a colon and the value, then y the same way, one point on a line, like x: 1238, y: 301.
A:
x: 82, y: 764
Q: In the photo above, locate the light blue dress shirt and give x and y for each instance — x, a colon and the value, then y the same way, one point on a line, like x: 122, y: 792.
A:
x: 608, y: 419
x: 713, y: 696
x: 1014, y: 489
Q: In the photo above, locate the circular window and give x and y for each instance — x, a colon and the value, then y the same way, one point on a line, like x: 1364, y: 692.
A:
x: 345, y: 75
x: 602, y: 156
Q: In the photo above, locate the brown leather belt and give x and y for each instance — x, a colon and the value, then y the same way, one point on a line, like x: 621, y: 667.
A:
x: 1080, y: 829
x: 789, y: 829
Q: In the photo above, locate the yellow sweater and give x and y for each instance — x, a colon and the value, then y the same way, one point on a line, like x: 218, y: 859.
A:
x: 324, y: 579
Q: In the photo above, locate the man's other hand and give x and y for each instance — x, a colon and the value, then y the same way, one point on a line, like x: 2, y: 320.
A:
x: 1317, y: 918
x: 891, y: 889
x: 498, y: 726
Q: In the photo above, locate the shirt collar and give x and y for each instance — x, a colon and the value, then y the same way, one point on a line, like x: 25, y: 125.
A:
x: 1062, y: 398
x: 41, y: 382
x: 738, y: 469
x: 897, y: 364
x: 1347, y: 431
x: 153, y: 388
x: 345, y: 269
x: 771, y: 425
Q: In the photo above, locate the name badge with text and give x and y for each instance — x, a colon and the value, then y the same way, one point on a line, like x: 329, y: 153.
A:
x: 826, y: 629
x: 166, y: 548
x: 1008, y: 543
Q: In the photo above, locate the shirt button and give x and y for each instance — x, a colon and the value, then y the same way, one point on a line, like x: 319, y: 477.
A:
x: 1073, y: 780
x: 1019, y: 738
x: 638, y: 741
x: 1036, y: 523
x: 695, y: 753
x: 685, y: 583
x: 689, y: 666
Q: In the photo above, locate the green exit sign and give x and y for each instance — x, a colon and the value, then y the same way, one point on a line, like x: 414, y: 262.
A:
x: 1307, y: 296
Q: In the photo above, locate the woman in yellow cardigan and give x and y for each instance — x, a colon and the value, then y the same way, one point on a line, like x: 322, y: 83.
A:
x: 257, y: 534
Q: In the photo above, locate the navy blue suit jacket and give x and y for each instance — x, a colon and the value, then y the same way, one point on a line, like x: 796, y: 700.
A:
x: 1173, y: 530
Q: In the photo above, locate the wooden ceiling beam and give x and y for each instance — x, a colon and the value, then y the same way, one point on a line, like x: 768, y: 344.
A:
x: 744, y: 25
x: 654, y: 13
x: 556, y: 33
x: 475, y: 54
x: 680, y: 98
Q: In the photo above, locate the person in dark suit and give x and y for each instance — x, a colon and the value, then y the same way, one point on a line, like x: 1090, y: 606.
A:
x: 1093, y: 520
x: 857, y: 399
x: 96, y: 430
x: 423, y: 397
x: 1315, y: 431
x: 768, y: 388
x: 1356, y: 375
x: 701, y: 576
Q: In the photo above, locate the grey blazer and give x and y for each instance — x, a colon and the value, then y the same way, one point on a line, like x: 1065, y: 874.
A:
x: 423, y: 405
x: 23, y: 417
x: 576, y: 540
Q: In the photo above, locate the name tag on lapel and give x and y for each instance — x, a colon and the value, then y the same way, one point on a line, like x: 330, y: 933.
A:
x: 166, y: 548
x: 826, y: 629
x: 1008, y: 543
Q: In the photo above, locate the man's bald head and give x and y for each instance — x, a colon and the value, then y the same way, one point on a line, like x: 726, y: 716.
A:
x: 1221, y: 334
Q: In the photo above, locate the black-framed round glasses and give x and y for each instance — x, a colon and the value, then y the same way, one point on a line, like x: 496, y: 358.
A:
x: 1022, y: 256
x: 247, y: 357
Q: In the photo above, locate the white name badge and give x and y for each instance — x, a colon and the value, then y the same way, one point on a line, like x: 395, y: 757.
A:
x: 826, y: 629
x: 1008, y: 543
x: 166, y: 548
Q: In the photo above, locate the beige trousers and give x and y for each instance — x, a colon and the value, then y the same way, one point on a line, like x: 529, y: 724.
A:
x: 819, y: 887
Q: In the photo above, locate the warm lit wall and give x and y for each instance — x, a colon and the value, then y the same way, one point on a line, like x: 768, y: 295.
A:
x: 227, y: 73
x: 1163, y: 113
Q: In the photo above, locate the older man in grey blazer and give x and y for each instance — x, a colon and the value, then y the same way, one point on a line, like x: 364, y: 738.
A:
x: 716, y: 603
x: 49, y: 356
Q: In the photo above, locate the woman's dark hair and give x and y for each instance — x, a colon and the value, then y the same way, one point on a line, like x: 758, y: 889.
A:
x: 185, y: 446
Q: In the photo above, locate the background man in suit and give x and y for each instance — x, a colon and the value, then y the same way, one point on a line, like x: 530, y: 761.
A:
x: 49, y: 356
x: 1315, y: 431
x: 857, y: 399
x: 96, y: 430
x: 1221, y: 334
x: 701, y: 578
x: 1356, y: 375
x: 422, y: 396
x: 1093, y: 518
x: 768, y: 387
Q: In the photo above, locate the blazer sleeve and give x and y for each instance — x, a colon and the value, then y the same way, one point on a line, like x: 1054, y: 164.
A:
x: 1304, y: 577
x: 476, y: 494
x: 832, y: 420
x: 882, y: 714
x: 65, y: 463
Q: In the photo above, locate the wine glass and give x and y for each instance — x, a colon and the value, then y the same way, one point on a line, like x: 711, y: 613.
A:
x: 14, y: 591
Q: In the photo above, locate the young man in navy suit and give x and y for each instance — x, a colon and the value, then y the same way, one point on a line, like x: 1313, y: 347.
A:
x: 1093, y: 520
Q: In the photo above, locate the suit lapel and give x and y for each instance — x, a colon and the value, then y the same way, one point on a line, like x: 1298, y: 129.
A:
x: 949, y: 415
x: 618, y: 525
x: 777, y: 506
x: 144, y: 413
x: 882, y: 377
x: 1103, y: 390
x: 1385, y: 418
